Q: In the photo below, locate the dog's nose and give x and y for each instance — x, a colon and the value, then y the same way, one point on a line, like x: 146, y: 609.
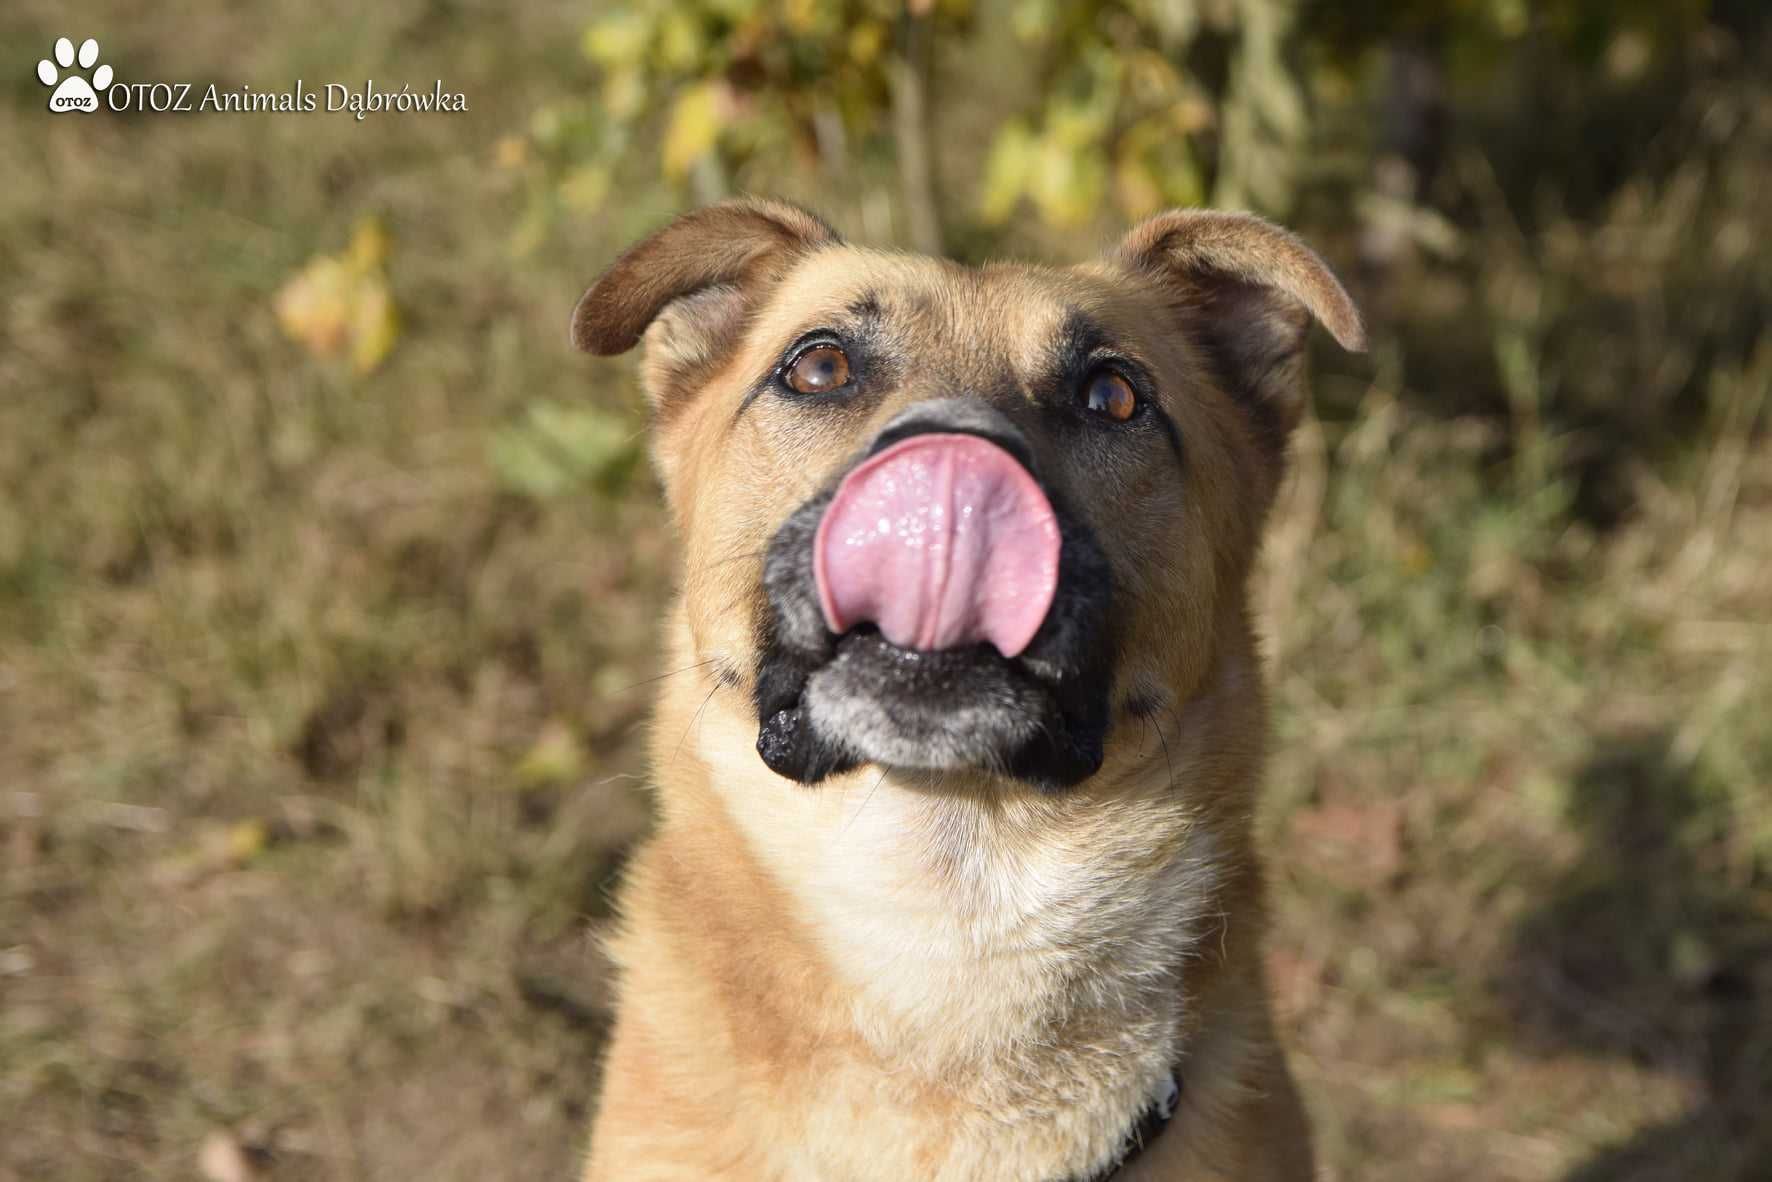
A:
x: 957, y: 416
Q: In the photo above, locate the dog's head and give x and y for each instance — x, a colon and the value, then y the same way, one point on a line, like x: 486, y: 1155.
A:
x: 950, y: 519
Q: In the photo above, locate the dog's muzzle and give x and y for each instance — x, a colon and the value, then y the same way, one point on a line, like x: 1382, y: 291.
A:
x: 936, y: 609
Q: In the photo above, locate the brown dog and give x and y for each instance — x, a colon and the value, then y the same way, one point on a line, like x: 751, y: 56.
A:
x: 953, y: 874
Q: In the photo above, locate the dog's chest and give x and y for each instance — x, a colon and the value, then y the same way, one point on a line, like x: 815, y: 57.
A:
x: 1020, y: 990
x: 967, y: 930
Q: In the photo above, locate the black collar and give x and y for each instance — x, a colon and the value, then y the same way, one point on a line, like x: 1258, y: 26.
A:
x: 1150, y: 1123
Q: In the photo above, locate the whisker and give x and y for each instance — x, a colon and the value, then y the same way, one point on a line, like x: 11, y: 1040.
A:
x: 737, y: 600
x: 694, y: 718
x: 729, y: 559
x: 1167, y: 762
x: 864, y: 802
x: 1176, y: 719
x: 650, y: 680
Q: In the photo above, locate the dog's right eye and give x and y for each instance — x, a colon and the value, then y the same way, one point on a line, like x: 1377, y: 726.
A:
x: 818, y: 370
x: 1110, y: 395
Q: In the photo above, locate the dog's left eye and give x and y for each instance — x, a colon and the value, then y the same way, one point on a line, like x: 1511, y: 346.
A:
x: 818, y: 370
x: 1110, y: 395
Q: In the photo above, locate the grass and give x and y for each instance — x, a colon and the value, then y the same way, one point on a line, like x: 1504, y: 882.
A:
x: 319, y: 721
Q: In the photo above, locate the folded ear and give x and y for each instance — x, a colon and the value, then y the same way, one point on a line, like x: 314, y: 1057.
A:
x: 693, y: 284
x: 1247, y: 290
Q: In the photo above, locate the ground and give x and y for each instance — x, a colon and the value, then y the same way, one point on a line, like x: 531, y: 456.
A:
x: 320, y: 710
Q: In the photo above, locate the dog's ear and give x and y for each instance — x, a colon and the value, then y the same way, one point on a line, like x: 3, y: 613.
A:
x: 689, y: 288
x: 1247, y: 290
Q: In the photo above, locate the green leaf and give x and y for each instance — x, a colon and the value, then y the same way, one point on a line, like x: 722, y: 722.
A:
x: 558, y: 449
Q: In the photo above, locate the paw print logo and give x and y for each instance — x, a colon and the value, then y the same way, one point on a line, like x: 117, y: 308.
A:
x: 74, y: 93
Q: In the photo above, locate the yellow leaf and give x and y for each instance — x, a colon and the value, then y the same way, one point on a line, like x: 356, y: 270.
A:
x: 733, y: 11
x: 1082, y: 122
x: 313, y: 307
x: 341, y: 304
x: 546, y: 124
x: 1006, y: 172
x: 245, y: 841
x: 624, y: 93
x: 555, y: 758
x: 369, y: 245
x: 375, y: 325
x: 1191, y: 114
x: 532, y: 228
x: 1032, y: 20
x: 866, y: 41
x: 1151, y: 80
x: 616, y: 39
x: 585, y: 187
x: 1067, y: 182
x: 680, y: 41
x: 511, y: 152
x: 800, y: 16
x: 693, y: 130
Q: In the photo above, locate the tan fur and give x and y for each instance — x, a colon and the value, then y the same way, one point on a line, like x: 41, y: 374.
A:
x: 896, y: 977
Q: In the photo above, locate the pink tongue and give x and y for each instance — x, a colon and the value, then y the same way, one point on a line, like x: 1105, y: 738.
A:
x: 941, y: 540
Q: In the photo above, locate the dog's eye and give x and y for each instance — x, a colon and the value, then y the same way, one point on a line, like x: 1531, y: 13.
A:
x: 1107, y: 393
x: 818, y: 370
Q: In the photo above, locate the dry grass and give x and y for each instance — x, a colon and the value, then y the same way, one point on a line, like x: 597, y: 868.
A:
x: 317, y: 735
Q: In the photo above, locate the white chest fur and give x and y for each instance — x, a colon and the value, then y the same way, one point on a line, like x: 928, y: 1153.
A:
x: 976, y: 931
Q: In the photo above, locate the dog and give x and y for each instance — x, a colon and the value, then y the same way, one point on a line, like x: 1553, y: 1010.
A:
x: 953, y: 875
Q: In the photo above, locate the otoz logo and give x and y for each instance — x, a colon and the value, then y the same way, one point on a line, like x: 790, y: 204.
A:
x: 71, y: 91
x: 74, y: 92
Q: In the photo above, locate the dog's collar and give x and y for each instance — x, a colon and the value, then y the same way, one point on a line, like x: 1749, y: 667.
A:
x: 1150, y: 1124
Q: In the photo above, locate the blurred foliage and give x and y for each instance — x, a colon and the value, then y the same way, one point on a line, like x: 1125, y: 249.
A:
x: 1481, y: 35
x: 710, y: 88
x: 1118, y: 107
x: 1119, y: 113
x: 720, y: 91
x: 340, y: 305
